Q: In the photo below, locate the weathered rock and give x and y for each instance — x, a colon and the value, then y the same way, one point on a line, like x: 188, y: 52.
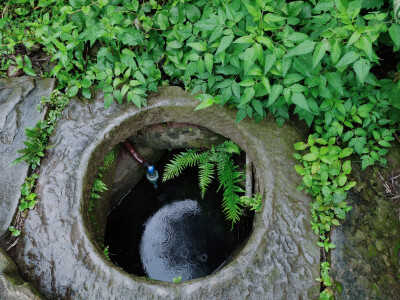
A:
x: 280, y: 260
x: 176, y: 135
x: 12, y: 287
x: 128, y: 172
x: 18, y: 100
x: 99, y: 208
x: 366, y: 261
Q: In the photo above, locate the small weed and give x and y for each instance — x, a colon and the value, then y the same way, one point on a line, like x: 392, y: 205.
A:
x: 14, y: 231
x: 106, y: 253
x: 177, y: 279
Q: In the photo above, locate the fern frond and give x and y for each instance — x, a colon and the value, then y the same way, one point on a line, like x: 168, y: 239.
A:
x: 206, y: 174
x: 229, y: 178
x: 189, y: 158
x: 229, y: 147
x: 99, y: 186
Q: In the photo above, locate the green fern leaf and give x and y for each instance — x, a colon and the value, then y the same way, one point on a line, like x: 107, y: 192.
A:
x: 189, y: 158
x: 229, y: 177
x: 206, y: 172
x: 229, y: 147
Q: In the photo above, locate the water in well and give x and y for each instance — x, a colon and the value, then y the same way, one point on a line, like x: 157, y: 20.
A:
x: 172, y: 232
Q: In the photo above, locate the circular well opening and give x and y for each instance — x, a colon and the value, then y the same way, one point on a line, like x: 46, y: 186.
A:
x: 173, y: 232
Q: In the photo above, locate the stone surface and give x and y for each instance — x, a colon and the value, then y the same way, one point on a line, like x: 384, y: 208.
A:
x: 128, y: 172
x: 280, y: 260
x: 12, y: 287
x: 176, y: 135
x: 366, y: 261
x: 18, y: 100
x: 99, y: 208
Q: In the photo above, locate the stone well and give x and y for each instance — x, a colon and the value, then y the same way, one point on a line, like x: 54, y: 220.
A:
x: 57, y: 253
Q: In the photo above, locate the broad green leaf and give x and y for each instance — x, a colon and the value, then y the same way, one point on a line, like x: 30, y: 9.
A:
x: 346, y: 167
x: 256, y: 13
x: 346, y: 152
x: 205, y: 25
x: 310, y: 157
x: 394, y: 32
x: 361, y: 68
x: 300, y: 146
x: 266, y: 84
x: 102, y: 3
x: 108, y: 99
x: 226, y: 41
x: 383, y: 143
x: 205, y: 103
x: 86, y: 93
x: 286, y: 63
x: 240, y: 115
x: 347, y: 59
x: 136, y: 100
x: 276, y: 90
x: 342, y: 178
x: 258, y: 107
x: 335, y: 51
x: 300, y: 101
x: 297, y: 37
x: 303, y: 48
x: 292, y: 78
x: 247, y: 96
x: 354, y: 37
x: 250, y: 58
x: 192, y: 12
x: 216, y: 33
x: 73, y: 90
x: 319, y: 52
x: 269, y: 62
x: 175, y: 44
x: 209, y: 61
x: 307, y: 179
x: 198, y: 46
x: 335, y: 80
x: 85, y: 9
x: 366, y: 45
x: 315, y: 167
x: 118, y: 96
x: 299, y: 169
x: 244, y: 40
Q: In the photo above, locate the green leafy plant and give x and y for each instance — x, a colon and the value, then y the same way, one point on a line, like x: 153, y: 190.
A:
x: 98, y: 187
x: 15, y: 232
x: 254, y: 203
x: 326, y: 294
x: 325, y: 178
x: 220, y: 157
x: 38, y: 136
x: 106, y: 253
x: 28, y: 198
x: 177, y: 279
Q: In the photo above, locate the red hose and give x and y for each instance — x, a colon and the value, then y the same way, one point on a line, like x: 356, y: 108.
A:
x: 134, y: 154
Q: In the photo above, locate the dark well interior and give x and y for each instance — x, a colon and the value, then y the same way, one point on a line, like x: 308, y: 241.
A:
x: 171, y: 232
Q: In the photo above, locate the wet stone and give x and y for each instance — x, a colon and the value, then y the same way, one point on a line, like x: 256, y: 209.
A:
x: 12, y: 287
x: 174, y: 135
x: 366, y: 261
x: 279, y: 261
x: 18, y: 100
